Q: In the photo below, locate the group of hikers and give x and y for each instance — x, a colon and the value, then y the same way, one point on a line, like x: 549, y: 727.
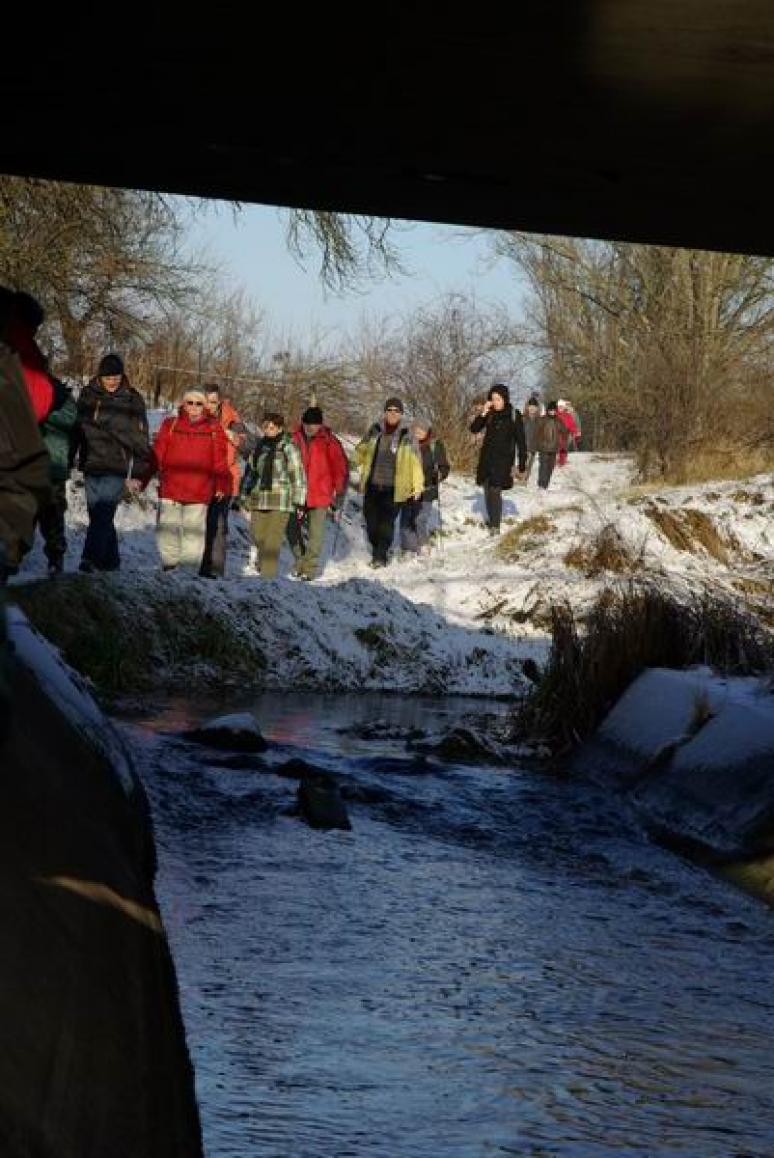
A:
x: 291, y: 483
x: 512, y: 441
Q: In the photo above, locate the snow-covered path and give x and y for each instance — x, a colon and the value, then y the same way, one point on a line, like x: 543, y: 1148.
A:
x: 463, y: 618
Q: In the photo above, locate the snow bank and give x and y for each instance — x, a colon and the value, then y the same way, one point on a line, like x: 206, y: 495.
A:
x: 69, y: 692
x: 696, y: 753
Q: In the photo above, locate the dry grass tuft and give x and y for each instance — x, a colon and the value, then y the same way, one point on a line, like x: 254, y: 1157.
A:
x: 525, y: 536
x: 688, y: 529
x: 607, y: 551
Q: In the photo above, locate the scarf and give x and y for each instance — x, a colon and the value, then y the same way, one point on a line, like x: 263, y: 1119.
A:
x: 269, y: 450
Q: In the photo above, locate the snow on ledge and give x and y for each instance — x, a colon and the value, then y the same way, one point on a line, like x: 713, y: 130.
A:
x: 70, y: 694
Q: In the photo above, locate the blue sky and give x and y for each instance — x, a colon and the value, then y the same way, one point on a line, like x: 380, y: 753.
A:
x: 438, y: 260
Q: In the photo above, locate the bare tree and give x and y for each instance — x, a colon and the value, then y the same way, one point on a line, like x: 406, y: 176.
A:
x: 447, y: 355
x: 666, y: 350
x: 351, y: 248
x: 104, y: 262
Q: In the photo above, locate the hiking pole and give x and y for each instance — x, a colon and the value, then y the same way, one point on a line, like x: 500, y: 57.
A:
x: 338, y: 526
x: 440, y: 525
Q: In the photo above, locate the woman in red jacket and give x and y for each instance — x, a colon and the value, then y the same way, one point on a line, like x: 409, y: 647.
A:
x: 191, y: 457
x: 568, y: 429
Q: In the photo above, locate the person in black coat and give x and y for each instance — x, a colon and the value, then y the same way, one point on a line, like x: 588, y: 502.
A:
x: 113, y: 453
x: 503, y: 440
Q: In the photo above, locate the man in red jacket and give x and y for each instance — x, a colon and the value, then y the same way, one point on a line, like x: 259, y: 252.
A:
x: 216, y: 537
x: 191, y: 457
x: 327, y: 475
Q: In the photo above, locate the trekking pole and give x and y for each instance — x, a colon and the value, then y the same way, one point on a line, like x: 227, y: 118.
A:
x: 338, y: 525
x: 440, y: 525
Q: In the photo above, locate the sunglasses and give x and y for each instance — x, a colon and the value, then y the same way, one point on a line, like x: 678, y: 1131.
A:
x: 392, y: 410
x: 189, y: 403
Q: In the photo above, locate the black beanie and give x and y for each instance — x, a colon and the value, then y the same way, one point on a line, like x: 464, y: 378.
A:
x: 110, y: 366
x: 501, y: 389
x: 312, y: 415
x: 396, y: 402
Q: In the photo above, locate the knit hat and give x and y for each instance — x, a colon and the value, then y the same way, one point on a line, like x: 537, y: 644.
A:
x: 394, y: 403
x: 501, y: 389
x: 111, y: 366
x: 551, y: 407
x: 312, y: 415
x: 422, y: 422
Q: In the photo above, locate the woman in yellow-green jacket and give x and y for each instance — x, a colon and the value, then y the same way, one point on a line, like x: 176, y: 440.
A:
x: 390, y: 474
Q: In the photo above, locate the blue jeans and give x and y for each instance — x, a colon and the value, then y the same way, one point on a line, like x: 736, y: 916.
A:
x: 103, y: 494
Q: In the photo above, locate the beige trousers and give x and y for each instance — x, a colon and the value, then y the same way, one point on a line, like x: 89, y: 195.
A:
x: 180, y: 532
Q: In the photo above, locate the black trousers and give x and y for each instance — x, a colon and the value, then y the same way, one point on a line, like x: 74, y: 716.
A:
x: 216, y: 533
x: 380, y: 510
x: 546, y: 464
x: 493, y: 498
x: 51, y: 520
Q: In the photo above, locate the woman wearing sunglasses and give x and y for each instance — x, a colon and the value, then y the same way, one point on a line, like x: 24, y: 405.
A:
x: 191, y: 459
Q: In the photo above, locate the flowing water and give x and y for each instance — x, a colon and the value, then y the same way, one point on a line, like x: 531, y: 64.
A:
x: 491, y: 962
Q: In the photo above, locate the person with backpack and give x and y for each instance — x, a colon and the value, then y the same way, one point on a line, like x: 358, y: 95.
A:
x: 274, y: 488
x: 114, y: 454
x: 547, y: 442
x: 415, y: 515
x: 503, y: 441
x: 190, y: 456
x: 57, y: 430
x: 530, y: 418
x: 327, y: 475
x: 391, y: 474
x: 55, y: 410
x: 24, y: 462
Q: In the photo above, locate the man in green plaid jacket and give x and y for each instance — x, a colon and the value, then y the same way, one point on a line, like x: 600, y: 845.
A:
x: 274, y: 488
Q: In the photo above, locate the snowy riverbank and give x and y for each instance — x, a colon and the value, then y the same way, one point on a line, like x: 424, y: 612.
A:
x: 461, y: 620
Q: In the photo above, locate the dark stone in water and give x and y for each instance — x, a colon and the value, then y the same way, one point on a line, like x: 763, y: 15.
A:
x: 321, y: 804
x: 236, y: 733
x: 464, y: 745
x: 296, y: 769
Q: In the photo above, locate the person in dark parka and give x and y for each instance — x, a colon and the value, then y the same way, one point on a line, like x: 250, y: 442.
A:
x: 113, y: 453
x: 503, y: 441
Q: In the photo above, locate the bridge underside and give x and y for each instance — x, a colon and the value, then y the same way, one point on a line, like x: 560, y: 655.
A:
x: 648, y: 120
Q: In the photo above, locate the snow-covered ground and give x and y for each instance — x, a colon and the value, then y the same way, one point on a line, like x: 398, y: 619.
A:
x: 464, y: 617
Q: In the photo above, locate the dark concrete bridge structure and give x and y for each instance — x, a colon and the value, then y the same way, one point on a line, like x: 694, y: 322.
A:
x: 648, y: 120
